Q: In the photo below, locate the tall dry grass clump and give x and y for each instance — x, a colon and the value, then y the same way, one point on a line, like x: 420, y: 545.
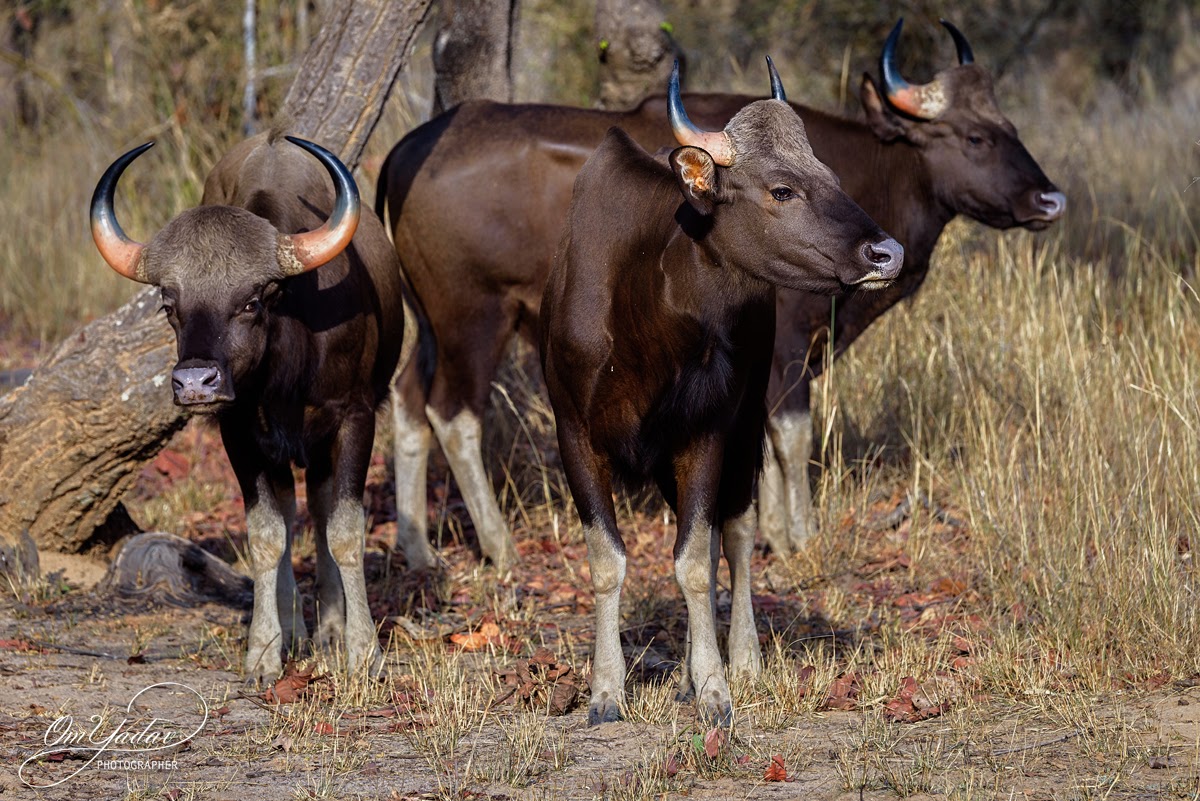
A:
x: 79, y: 88
x: 1047, y: 384
x: 51, y: 277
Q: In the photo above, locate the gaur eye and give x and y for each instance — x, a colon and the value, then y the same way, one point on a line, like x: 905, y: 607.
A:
x: 253, y: 306
x: 975, y: 141
x: 782, y: 193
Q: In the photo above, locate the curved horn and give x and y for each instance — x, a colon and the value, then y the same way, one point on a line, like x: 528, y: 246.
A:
x: 717, y: 143
x: 965, y: 55
x: 923, y: 101
x: 309, y: 250
x: 122, y: 253
x: 776, y: 84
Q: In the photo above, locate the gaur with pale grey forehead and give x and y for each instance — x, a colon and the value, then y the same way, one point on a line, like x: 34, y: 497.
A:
x: 291, y: 359
x: 478, y: 260
x: 656, y: 333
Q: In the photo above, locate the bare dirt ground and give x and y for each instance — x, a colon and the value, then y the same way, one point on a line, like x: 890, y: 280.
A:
x: 877, y: 684
x: 446, y: 722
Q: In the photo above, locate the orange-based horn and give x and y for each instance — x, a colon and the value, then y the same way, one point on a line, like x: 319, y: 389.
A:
x: 311, y: 249
x: 922, y: 101
x: 717, y: 143
x: 122, y: 253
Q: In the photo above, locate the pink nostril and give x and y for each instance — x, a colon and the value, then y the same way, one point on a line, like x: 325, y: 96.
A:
x: 1052, y: 204
x: 196, y: 384
x: 887, y: 256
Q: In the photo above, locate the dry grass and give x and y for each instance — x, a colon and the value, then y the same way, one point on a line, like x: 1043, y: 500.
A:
x: 1043, y: 388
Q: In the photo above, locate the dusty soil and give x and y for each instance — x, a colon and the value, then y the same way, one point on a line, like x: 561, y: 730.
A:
x: 81, y: 655
x: 449, y: 720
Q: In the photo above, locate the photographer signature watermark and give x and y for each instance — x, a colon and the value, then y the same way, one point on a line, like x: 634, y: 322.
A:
x: 138, y: 741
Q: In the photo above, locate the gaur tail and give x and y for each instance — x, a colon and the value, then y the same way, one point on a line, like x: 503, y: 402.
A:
x: 419, y: 342
x: 381, y: 186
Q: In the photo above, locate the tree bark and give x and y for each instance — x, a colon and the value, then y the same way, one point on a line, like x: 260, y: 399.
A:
x: 472, y: 54
x: 636, y: 51
x: 347, y: 73
x: 74, y: 436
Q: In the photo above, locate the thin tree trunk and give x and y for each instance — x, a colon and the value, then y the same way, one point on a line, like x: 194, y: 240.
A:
x: 118, y: 40
x: 250, y: 56
x: 74, y: 437
x: 472, y: 54
x: 636, y: 51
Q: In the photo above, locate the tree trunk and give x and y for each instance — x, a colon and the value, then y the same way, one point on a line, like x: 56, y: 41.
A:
x: 472, y: 54
x: 339, y: 92
x: 250, y: 59
x: 74, y: 436
x: 636, y: 51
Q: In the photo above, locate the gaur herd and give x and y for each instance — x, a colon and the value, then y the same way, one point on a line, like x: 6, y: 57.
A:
x: 684, y: 267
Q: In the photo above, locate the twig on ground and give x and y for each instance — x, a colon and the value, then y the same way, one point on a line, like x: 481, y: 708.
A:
x: 260, y: 704
x: 1055, y: 741
x: 76, y: 651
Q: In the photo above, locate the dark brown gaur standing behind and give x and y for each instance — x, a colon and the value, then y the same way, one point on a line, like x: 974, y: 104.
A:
x: 292, y: 360
x: 946, y: 149
x: 478, y: 259
x: 656, y: 335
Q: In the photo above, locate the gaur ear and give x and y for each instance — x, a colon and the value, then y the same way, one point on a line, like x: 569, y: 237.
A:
x: 697, y: 176
x: 886, y: 124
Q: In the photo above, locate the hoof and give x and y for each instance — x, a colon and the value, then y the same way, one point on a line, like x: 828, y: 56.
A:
x: 506, y: 561
x: 715, y: 711
x: 683, y: 695
x: 259, y: 680
x: 329, y: 638
x: 375, y: 665
x: 603, y: 711
x: 263, y: 671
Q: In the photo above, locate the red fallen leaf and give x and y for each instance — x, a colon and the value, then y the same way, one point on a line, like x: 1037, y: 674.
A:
x: 21, y: 645
x: 920, y: 599
x: 776, y: 771
x: 487, y: 634
x: 1158, y: 680
x: 713, y: 742
x: 903, y: 707
x: 887, y: 561
x: 743, y: 759
x: 171, y: 463
x: 962, y: 662
x: 1019, y: 613
x: 843, y: 693
x: 136, y: 659
x: 804, y: 679
x: 220, y: 713
x: 949, y: 586
x: 291, y: 686
x: 672, y: 765
x: 323, y: 727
